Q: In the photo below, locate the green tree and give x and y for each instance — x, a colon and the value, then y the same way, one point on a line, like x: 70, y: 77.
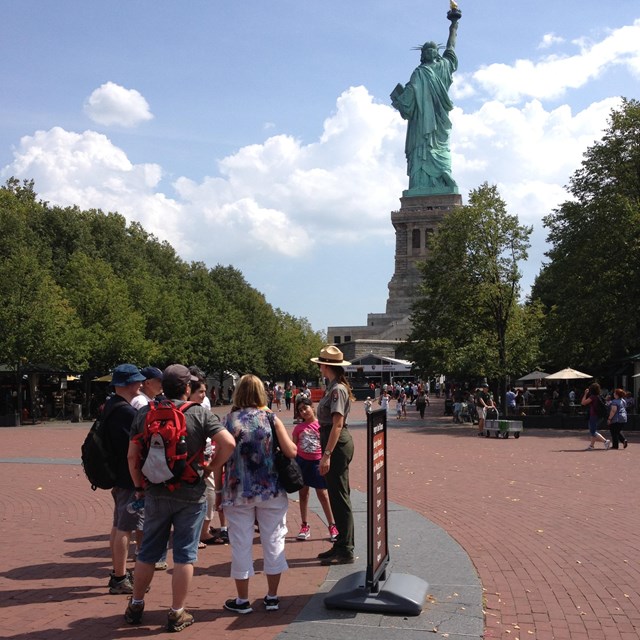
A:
x: 37, y: 323
x: 590, y: 285
x: 131, y: 298
x: 290, y: 347
x: 113, y: 329
x: 468, y: 320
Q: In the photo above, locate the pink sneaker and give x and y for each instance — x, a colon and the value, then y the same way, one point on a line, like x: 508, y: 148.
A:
x: 333, y: 533
x: 305, y: 532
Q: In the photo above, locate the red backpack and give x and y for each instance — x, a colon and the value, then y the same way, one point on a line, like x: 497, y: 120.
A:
x: 163, y: 442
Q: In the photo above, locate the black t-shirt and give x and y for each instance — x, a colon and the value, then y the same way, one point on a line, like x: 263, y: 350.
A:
x: 118, y: 427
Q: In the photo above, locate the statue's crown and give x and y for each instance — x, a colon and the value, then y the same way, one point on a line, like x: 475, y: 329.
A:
x: 428, y: 45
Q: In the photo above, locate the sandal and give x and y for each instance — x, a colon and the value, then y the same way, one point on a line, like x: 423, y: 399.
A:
x: 202, y: 544
x: 218, y: 538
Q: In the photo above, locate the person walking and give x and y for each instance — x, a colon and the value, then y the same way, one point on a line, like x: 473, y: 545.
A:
x: 337, y: 451
x: 592, y: 399
x: 250, y: 492
x: 421, y: 403
x: 288, y: 395
x: 617, y: 418
x: 483, y: 401
x: 384, y: 400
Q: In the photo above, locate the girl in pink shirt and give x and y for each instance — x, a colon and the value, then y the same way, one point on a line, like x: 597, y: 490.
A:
x: 306, y: 435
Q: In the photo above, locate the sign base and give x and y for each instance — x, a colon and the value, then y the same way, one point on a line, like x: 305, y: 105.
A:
x: 400, y: 593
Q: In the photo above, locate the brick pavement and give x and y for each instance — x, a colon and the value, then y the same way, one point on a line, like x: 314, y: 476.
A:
x: 550, y: 528
x: 54, y: 560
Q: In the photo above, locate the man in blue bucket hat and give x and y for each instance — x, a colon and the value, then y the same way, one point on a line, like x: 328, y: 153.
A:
x: 126, y: 380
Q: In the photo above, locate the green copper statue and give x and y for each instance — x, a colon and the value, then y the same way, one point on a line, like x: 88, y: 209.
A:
x: 425, y: 103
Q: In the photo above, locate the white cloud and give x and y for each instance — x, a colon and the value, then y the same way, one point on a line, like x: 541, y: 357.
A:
x: 112, y: 104
x: 552, y: 76
x: 88, y: 170
x: 340, y: 188
x: 280, y: 197
x: 283, y: 200
x: 529, y: 151
x: 549, y: 39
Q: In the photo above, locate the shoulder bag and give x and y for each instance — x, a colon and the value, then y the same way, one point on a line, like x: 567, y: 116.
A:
x: 288, y: 470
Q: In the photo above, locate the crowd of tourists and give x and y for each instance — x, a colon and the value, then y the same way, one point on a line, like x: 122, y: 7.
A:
x: 228, y: 471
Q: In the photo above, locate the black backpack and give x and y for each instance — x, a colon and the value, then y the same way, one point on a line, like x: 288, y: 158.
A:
x: 97, y: 458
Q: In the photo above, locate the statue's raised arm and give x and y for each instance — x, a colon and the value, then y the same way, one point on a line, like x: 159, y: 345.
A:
x: 424, y: 102
x: 454, y: 14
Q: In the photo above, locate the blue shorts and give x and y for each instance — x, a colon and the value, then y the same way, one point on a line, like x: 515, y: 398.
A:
x: 122, y: 519
x: 311, y: 473
x: 595, y: 423
x: 160, y: 514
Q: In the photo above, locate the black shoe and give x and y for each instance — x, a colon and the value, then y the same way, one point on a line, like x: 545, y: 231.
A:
x: 338, y: 558
x: 327, y: 554
x: 232, y: 605
x: 133, y: 614
x: 625, y: 444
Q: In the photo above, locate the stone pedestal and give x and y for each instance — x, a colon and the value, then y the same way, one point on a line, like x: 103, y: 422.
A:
x: 418, y: 217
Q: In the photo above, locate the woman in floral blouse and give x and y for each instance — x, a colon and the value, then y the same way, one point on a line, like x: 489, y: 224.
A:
x: 251, y: 492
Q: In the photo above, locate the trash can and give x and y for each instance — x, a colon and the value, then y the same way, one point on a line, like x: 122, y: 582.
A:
x: 77, y: 413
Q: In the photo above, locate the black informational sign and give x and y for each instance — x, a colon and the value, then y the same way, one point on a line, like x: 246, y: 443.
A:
x: 377, y: 544
x: 373, y: 590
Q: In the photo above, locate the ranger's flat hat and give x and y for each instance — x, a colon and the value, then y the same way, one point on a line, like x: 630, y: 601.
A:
x: 332, y: 356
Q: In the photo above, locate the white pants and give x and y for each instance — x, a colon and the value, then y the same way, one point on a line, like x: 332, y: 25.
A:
x: 272, y: 518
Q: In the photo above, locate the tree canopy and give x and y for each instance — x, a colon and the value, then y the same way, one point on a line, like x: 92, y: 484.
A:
x: 590, y: 286
x: 84, y: 291
x: 468, y: 321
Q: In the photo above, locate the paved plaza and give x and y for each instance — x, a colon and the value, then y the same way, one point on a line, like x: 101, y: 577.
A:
x: 530, y: 538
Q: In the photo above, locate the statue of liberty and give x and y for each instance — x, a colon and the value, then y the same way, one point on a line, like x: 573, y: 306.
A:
x: 424, y: 102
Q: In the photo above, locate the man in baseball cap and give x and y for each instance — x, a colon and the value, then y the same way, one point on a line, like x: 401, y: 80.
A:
x: 181, y: 508
x: 151, y: 387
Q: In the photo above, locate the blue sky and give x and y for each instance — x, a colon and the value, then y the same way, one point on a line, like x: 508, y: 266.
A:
x: 260, y: 134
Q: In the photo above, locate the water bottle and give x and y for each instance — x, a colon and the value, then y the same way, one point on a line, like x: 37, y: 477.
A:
x: 136, y: 506
x: 181, y: 447
x: 180, y: 461
x: 208, y: 450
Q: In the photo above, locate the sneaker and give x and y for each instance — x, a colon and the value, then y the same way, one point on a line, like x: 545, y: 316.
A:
x: 179, y: 621
x: 161, y: 566
x: 271, y: 604
x: 305, y: 532
x: 122, y: 586
x: 232, y: 605
x: 224, y: 536
x: 607, y: 444
x: 133, y: 614
x: 128, y: 573
x: 333, y: 533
